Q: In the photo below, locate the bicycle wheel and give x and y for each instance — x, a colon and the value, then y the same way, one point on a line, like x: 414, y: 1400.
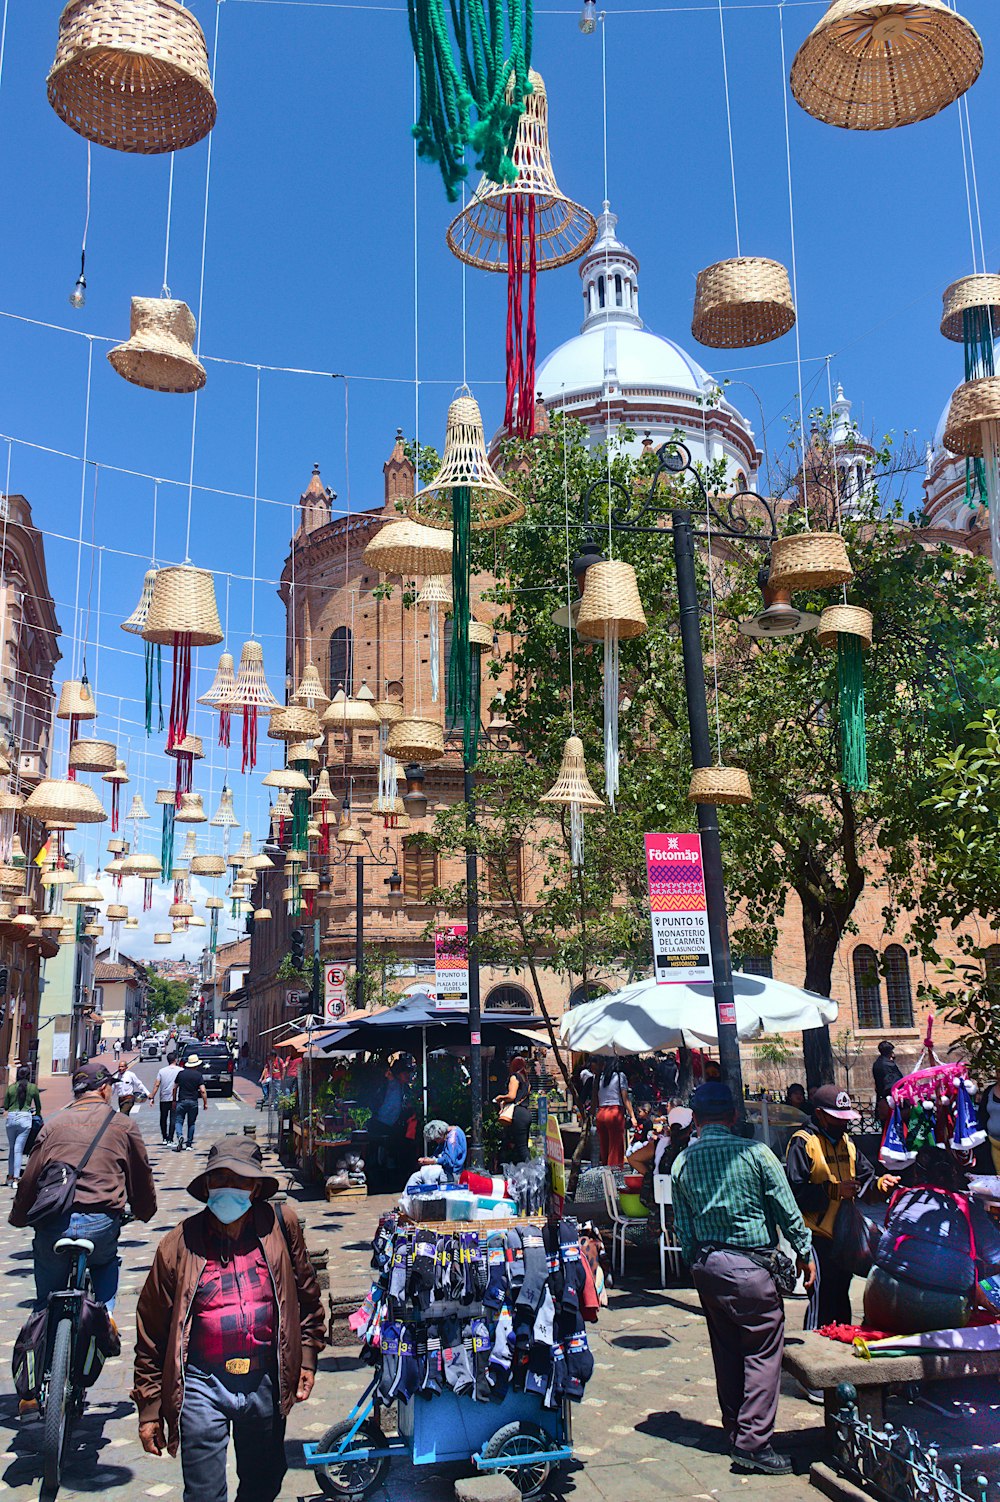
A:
x: 56, y: 1408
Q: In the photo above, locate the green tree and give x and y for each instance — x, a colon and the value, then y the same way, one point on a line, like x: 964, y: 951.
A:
x: 380, y: 963
x: 166, y: 997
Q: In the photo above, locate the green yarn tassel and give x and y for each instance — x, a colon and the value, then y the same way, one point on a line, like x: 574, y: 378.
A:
x: 462, y: 709
x: 851, y: 685
x: 300, y: 813
x: 977, y: 334
x: 462, y: 70
x: 213, y: 931
x: 167, y: 842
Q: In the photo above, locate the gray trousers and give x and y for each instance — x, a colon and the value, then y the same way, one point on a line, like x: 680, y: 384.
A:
x: 216, y: 1405
x: 746, y: 1326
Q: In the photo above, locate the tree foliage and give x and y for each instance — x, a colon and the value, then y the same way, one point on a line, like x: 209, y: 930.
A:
x: 166, y: 997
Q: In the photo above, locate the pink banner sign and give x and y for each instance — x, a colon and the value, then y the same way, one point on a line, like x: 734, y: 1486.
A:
x: 677, y: 908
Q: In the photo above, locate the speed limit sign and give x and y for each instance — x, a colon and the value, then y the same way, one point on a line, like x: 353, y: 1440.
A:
x: 336, y: 992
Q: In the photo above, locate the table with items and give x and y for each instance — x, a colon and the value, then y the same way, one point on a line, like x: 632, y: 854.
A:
x: 477, y: 1332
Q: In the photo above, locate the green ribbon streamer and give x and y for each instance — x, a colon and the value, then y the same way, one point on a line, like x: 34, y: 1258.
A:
x: 851, y: 685
x: 300, y: 812
x: 167, y: 842
x: 977, y: 335
x: 461, y: 708
x: 213, y: 931
x: 154, y: 668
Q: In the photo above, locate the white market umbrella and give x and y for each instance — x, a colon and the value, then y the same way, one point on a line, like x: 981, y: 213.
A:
x: 645, y: 1016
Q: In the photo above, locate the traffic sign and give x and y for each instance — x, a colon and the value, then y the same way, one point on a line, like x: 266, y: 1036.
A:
x: 335, y: 982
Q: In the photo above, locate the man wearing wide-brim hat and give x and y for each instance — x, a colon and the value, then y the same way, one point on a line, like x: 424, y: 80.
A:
x: 228, y: 1330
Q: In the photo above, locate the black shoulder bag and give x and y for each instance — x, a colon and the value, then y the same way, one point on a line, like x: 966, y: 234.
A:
x: 56, y: 1188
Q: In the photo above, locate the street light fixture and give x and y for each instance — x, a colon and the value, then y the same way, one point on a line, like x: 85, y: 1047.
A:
x: 384, y: 856
x: 644, y: 516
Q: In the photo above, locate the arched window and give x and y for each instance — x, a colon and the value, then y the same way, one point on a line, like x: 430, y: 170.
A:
x: 341, y: 662
x: 867, y: 986
x: 589, y: 992
x: 420, y: 872
x: 896, y: 964
x: 600, y: 290
x: 619, y: 301
x: 508, y: 999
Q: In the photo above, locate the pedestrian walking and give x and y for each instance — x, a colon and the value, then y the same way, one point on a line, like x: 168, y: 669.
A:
x: 189, y: 1088
x: 885, y: 1073
x: 730, y: 1199
x: 515, y: 1113
x: 117, y: 1046
x: 107, y: 1149
x: 265, y: 1081
x: 164, y: 1088
x: 612, y: 1102
x: 826, y: 1169
x: 228, y: 1330
x: 128, y: 1088
x: 22, y: 1103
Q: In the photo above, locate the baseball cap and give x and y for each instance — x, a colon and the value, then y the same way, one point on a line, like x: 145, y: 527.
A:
x: 713, y: 1098
x: 835, y: 1102
x: 91, y: 1076
x: 680, y: 1116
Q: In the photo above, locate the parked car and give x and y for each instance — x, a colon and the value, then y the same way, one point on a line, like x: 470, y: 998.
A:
x: 217, y: 1065
x: 149, y: 1049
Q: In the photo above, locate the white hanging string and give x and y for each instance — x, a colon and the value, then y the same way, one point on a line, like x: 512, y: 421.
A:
x: 964, y: 107
x: 256, y: 470
x: 729, y: 125
x: 833, y: 449
x: 607, y: 267
x: 166, y: 244
x: 416, y: 294
x: 83, y: 502
x: 201, y: 292
x: 795, y: 274
x: 569, y: 568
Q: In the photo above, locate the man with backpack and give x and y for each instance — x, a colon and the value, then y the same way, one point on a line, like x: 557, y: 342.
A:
x: 228, y: 1330
x: 88, y: 1162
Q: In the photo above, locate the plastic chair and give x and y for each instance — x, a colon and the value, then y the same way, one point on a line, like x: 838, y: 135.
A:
x: 670, y: 1251
x: 619, y: 1222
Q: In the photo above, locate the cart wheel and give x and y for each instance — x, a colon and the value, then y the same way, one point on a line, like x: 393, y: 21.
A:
x: 516, y: 1441
x: 352, y: 1478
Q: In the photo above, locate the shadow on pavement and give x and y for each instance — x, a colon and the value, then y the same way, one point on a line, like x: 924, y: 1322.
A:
x: 83, y: 1469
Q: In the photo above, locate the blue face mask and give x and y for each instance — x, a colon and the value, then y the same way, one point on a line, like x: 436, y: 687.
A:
x: 228, y: 1205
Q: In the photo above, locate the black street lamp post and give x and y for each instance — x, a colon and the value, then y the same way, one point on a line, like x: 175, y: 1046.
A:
x: 384, y: 856
x: 734, y: 525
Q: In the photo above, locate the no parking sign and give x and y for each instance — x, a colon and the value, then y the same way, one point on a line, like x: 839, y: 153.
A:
x: 336, y: 992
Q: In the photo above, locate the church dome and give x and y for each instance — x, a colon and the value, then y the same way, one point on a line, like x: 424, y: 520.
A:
x: 616, y: 372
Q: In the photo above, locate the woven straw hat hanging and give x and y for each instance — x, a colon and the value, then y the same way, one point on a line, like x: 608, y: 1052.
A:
x: 392, y: 812
x: 183, y: 614
x: 262, y: 915
x: 163, y: 938
x: 293, y: 722
x: 465, y: 466
x: 611, y: 608
x: 251, y: 695
x: 848, y: 630
x: 137, y: 620
x: 406, y: 548
x: 133, y: 76
x: 137, y: 809
x: 876, y: 64
x: 118, y: 777
x: 572, y: 790
x: 76, y: 704
x: 520, y: 228
x: 190, y: 845
x: 116, y: 912
x: 185, y: 752
x: 415, y: 739
x: 343, y: 713
x: 68, y: 802
x: 971, y: 295
x: 131, y: 923
x: 436, y: 595
x: 11, y: 879
x: 809, y: 560
x: 220, y: 693
x: 300, y: 752
x: 971, y: 315
x: 321, y: 802
x: 92, y: 756
x: 207, y: 865
x: 742, y: 302
x: 719, y: 785
x: 159, y: 352
x: 973, y: 430
x: 214, y: 904
x: 225, y: 816
x: 84, y: 891
x: 310, y: 691
x: 191, y: 810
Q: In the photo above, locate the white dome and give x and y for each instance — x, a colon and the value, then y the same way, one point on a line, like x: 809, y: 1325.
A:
x: 640, y: 360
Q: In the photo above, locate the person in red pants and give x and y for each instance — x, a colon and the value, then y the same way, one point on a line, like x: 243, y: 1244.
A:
x: 612, y: 1103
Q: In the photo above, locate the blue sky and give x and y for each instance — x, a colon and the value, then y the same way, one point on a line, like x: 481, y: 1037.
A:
x: 310, y: 264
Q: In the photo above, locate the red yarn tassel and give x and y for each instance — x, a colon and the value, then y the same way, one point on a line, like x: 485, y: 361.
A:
x: 74, y: 731
x: 225, y: 716
x: 180, y: 690
x: 114, y: 808
x: 324, y: 830
x: 519, y: 411
x: 249, y: 736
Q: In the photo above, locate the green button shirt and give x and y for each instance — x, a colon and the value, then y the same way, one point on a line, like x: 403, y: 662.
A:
x: 731, y: 1192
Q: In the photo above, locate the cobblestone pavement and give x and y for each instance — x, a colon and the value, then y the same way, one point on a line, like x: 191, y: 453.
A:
x: 648, y: 1426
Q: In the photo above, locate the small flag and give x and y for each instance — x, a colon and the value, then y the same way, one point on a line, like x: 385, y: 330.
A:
x: 42, y: 857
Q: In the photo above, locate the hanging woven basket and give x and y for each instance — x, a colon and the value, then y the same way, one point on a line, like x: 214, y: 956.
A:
x: 191, y: 810
x: 287, y: 777
x: 132, y: 75
x: 92, y: 756
x: 742, y: 302
x: 611, y: 598
x: 262, y: 915
x: 250, y: 689
x: 137, y: 809
x: 310, y: 691
x: 564, y: 230
x: 480, y: 635
x: 293, y: 722
x: 116, y: 912
x: 225, y: 816
x: 69, y: 802
x: 809, y: 560
x: 52, y: 922
x: 416, y: 739
x: 437, y: 591
x: 573, y: 785
x: 343, y: 713
x: 11, y: 879
x: 302, y: 752
x: 967, y: 295
x: 4, y: 760
x: 406, y: 548
x: 118, y: 776
x: 137, y: 620
x: 846, y: 620
x: 876, y: 64
x: 350, y: 834
x: 76, y: 701
x: 389, y: 711
x: 220, y: 691
x: 309, y: 881
x: 465, y: 465
x: 973, y: 404
x: 719, y: 785
x: 183, y: 604
x: 190, y: 746
x: 159, y: 352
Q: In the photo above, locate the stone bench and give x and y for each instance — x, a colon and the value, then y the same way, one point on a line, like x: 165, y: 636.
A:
x: 819, y: 1363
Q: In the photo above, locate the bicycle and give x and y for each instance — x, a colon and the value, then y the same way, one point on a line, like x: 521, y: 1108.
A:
x: 61, y: 1398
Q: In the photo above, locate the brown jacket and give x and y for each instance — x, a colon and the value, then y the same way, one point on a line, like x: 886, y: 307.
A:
x: 118, y: 1169
x: 168, y: 1295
